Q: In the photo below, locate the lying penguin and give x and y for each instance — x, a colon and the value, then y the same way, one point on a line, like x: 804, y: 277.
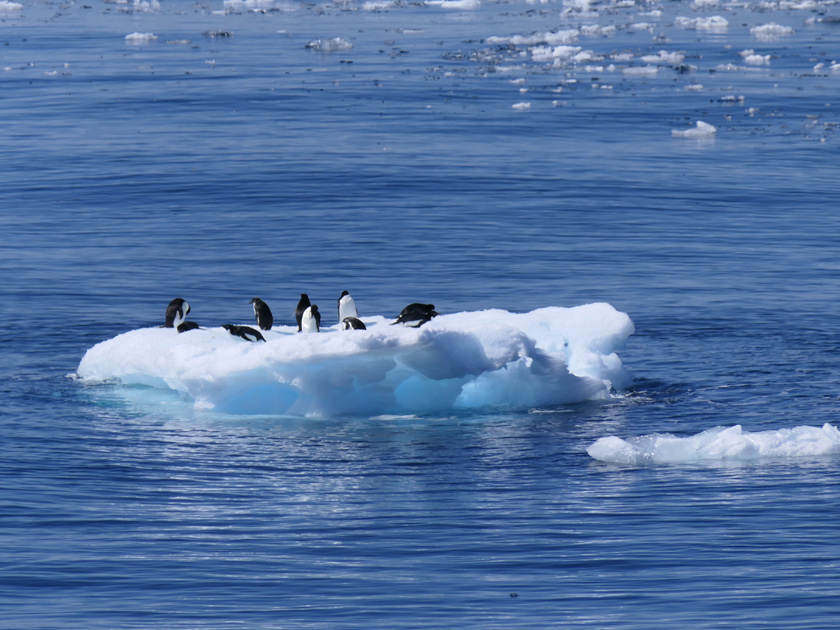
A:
x: 415, y: 315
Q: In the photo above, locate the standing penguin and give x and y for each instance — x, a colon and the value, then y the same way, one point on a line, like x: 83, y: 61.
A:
x: 346, y: 307
x: 176, y: 313
x: 311, y: 320
x: 301, y: 307
x: 265, y: 320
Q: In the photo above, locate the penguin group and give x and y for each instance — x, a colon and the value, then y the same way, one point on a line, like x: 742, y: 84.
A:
x: 307, y: 317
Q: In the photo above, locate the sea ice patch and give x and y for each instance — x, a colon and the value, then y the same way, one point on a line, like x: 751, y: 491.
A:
x: 718, y: 445
x: 468, y: 360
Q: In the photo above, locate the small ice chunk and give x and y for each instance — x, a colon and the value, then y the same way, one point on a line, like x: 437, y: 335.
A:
x: 329, y: 45
x: 521, y: 106
x: 702, y: 130
x: 771, y: 31
x: 137, y: 39
x: 754, y: 59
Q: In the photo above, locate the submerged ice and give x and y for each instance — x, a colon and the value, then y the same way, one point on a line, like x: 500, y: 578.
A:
x: 469, y: 360
x: 718, y: 444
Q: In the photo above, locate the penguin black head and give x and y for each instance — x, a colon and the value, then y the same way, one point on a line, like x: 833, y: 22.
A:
x: 301, y: 308
x: 353, y: 323
x: 187, y: 326
x: 176, y: 313
x: 265, y: 319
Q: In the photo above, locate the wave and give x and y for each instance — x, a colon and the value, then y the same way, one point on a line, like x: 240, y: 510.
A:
x: 718, y: 444
x: 460, y: 361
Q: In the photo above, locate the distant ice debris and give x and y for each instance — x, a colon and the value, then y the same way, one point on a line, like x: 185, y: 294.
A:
x: 713, y: 24
x: 381, y: 5
x: 469, y: 360
x: 147, y: 6
x: 702, y: 130
x: 329, y: 45
x: 665, y: 57
x: 771, y: 31
x: 754, y: 59
x: 138, y: 39
x: 551, y: 38
x: 10, y: 7
x: 641, y: 71
x: 720, y: 444
x: 248, y: 5
x: 455, y: 4
x: 521, y: 106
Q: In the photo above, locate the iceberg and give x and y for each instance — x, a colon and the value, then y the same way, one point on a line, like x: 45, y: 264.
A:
x: 721, y: 444
x: 459, y: 361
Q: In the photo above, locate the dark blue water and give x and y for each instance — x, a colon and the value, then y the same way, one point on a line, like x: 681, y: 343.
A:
x: 218, y: 168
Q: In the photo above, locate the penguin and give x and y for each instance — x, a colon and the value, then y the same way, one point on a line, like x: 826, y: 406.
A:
x: 301, y: 307
x: 352, y: 323
x: 346, y: 307
x: 246, y: 332
x: 176, y: 313
x: 186, y: 326
x: 311, y: 320
x: 415, y: 315
x: 265, y: 320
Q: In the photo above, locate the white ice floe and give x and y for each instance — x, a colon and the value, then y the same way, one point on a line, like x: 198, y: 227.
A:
x: 329, y: 45
x: 771, y: 31
x: 702, y: 130
x: 754, y: 59
x: 713, y: 24
x: 468, y: 360
x: 552, y: 38
x: 10, y: 7
x: 718, y: 444
x: 641, y: 71
x: 147, y: 6
x: 455, y: 4
x: 521, y: 106
x: 665, y: 57
x: 140, y: 38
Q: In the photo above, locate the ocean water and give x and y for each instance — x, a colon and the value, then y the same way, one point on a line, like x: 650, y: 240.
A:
x: 472, y: 155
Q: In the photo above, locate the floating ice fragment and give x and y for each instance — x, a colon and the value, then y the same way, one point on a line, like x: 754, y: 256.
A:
x: 718, y: 444
x: 641, y: 71
x: 702, y: 130
x: 137, y: 39
x: 713, y: 24
x: 754, y: 59
x: 455, y: 4
x: 665, y: 57
x: 329, y: 45
x: 468, y: 360
x: 9, y: 7
x: 147, y: 6
x: 521, y: 106
x: 771, y: 31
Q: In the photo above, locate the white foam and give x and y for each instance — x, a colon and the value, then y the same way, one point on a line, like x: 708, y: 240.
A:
x: 718, y: 444
x: 464, y: 360
x: 702, y: 130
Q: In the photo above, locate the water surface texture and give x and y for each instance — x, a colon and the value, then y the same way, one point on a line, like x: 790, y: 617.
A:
x: 468, y: 154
